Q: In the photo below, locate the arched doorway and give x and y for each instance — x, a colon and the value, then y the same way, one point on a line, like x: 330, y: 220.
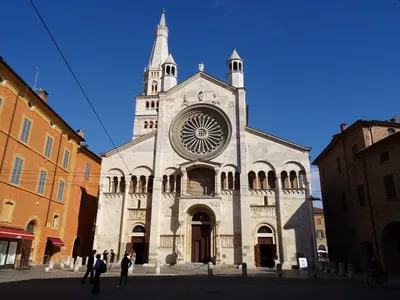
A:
x: 390, y: 240
x: 138, y: 242
x: 322, y: 248
x: 201, y: 182
x: 28, y: 252
x: 201, y: 237
x: 48, y: 252
x: 265, y: 248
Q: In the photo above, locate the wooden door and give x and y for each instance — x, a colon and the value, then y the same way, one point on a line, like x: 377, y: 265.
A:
x: 257, y: 255
x: 201, y: 243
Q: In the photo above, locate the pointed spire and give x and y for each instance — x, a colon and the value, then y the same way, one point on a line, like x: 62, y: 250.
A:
x: 170, y: 60
x: 162, y: 20
x: 234, y: 55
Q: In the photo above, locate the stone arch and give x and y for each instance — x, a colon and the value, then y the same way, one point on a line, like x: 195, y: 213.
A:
x: 264, y: 224
x: 259, y: 165
x: 171, y: 171
x: 142, y: 170
x: 229, y: 168
x: 30, y: 247
x: 293, y: 165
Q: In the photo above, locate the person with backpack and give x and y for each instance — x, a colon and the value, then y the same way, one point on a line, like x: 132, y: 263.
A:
x: 99, y: 268
x: 125, y: 265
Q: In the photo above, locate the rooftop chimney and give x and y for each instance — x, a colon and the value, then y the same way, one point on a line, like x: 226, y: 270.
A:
x: 43, y: 94
x: 395, y: 119
x: 80, y: 132
x: 343, y: 127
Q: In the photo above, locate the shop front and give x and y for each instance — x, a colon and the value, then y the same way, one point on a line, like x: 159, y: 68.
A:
x: 11, y: 246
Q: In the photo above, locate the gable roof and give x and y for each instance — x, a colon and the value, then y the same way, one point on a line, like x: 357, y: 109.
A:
x: 277, y: 139
x: 356, y: 124
x: 129, y: 144
x: 318, y: 211
x: 206, y: 76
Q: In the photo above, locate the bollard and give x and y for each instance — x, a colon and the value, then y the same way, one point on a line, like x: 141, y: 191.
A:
x: 77, y: 265
x: 279, y: 270
x: 350, y: 270
x: 333, y: 267
x: 51, y: 264
x: 244, y: 269
x: 131, y: 269
x: 157, y: 269
x: 341, y: 269
x: 210, y: 269
x: 321, y: 266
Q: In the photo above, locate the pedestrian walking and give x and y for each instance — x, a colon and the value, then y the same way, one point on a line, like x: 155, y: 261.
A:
x: 89, y: 268
x: 125, y: 265
x: 105, y: 256
x: 112, y: 258
x: 99, y: 268
x: 133, y: 259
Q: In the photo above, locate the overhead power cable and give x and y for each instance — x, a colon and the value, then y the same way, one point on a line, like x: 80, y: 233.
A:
x: 77, y: 81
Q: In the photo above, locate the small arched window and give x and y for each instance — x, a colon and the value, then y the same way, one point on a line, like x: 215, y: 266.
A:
x: 168, y: 70
x: 173, y: 71
x: 153, y: 105
x: 262, y: 180
x: 154, y: 87
x: 223, y: 180
x: 235, y: 66
x: 293, y: 180
x: 264, y: 229
x: 146, y: 124
x: 139, y: 229
x: 284, y: 180
x: 230, y: 180
x: 252, y: 179
x: 151, y: 124
x: 155, y: 124
x: 271, y: 180
x: 147, y: 105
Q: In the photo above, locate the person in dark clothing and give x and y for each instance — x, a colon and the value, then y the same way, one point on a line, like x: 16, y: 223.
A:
x: 89, y: 268
x: 112, y: 258
x: 99, y: 267
x: 125, y: 265
x: 105, y: 256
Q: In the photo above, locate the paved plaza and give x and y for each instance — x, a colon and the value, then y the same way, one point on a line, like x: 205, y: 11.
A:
x: 226, y: 284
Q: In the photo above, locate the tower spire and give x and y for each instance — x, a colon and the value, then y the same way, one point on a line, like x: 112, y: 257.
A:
x: 160, y: 51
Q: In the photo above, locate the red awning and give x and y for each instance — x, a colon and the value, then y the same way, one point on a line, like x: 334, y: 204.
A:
x: 14, y: 233
x: 56, y: 241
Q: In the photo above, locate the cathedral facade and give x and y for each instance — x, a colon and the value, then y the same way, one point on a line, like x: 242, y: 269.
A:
x: 196, y: 183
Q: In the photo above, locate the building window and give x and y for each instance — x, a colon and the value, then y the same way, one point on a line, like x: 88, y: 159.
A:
x: 354, y: 150
x: 55, y: 221
x: 361, y: 194
x: 49, y: 147
x: 60, y: 191
x: 318, y: 221
x: 17, y: 170
x: 384, y: 156
x: 87, y: 170
x: 26, y: 129
x: 42, y: 182
x: 66, y: 159
x: 320, y: 234
x: 390, y: 187
x: 1, y: 102
x: 339, y: 165
x: 344, y: 203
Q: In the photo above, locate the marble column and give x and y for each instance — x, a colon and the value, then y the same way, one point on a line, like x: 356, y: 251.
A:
x: 218, y: 183
x: 124, y: 212
x: 185, y: 182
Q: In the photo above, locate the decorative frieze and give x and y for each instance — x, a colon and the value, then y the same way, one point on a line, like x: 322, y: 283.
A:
x: 262, y: 192
x: 262, y: 211
x: 227, y: 241
x: 137, y: 214
x: 293, y: 191
x: 167, y: 241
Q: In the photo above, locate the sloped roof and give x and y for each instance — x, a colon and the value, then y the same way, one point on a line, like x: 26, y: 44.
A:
x: 129, y: 144
x: 277, y: 139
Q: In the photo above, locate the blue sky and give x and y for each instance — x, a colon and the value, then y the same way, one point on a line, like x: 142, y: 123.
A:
x: 309, y: 65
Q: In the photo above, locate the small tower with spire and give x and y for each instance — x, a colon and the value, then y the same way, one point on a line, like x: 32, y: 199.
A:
x: 169, y: 74
x: 235, y: 70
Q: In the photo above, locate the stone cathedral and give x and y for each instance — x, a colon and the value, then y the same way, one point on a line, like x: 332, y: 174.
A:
x: 196, y: 184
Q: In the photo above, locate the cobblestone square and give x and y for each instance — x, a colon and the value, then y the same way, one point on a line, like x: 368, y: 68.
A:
x: 67, y: 285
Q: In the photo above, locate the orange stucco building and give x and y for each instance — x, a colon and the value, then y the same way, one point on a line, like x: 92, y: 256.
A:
x: 48, y: 180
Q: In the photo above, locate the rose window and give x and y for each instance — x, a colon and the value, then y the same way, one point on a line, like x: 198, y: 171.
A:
x: 200, y: 131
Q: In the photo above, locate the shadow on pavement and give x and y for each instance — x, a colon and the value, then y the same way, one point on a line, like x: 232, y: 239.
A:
x: 195, y: 287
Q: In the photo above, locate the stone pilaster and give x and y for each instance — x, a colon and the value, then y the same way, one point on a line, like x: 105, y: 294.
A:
x: 122, y: 234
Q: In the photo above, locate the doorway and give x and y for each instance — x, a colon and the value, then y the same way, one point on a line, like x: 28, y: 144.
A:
x: 48, y: 252
x: 139, y: 246
x: 201, y: 238
x: 265, y: 248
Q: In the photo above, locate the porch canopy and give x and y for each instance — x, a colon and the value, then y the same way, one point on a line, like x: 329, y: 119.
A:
x: 57, y: 242
x: 15, y: 233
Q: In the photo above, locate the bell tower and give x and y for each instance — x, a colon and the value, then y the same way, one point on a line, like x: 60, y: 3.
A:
x: 235, y: 70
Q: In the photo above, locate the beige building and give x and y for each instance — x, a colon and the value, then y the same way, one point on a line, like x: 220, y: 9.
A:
x: 320, y: 234
x: 196, y: 183
x: 346, y: 191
